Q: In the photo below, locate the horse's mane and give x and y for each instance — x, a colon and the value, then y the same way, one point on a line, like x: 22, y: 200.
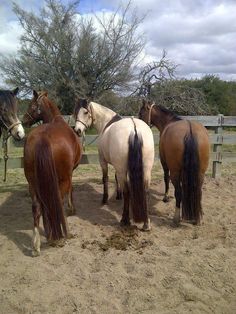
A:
x: 172, y: 115
x: 81, y: 102
x: 5, y: 96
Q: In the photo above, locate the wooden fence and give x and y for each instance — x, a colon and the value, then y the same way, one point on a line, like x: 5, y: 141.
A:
x: 219, y: 138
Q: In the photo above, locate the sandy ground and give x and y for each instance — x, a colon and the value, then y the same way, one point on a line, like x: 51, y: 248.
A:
x: 105, y: 269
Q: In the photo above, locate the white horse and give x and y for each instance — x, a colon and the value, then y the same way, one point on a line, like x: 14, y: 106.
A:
x: 128, y: 145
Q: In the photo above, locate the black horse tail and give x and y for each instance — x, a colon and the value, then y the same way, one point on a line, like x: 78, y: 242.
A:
x: 191, y: 184
x: 136, y: 177
x: 48, y: 193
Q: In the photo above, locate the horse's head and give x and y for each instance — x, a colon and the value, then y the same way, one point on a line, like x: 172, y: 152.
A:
x: 8, y: 114
x: 34, y: 112
x: 83, y: 116
x: 145, y: 111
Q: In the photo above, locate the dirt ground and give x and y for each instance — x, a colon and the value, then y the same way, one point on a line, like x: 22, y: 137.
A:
x: 105, y: 269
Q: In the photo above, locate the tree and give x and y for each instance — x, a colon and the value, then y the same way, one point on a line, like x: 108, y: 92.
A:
x: 63, y: 53
x: 157, y: 81
x: 153, y: 73
x: 220, y: 95
x: 180, y: 97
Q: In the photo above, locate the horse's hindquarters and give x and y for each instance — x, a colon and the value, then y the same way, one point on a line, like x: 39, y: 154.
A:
x: 113, y: 144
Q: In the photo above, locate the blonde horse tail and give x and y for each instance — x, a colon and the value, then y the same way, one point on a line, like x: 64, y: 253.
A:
x: 136, y: 177
x: 48, y: 193
x: 191, y: 183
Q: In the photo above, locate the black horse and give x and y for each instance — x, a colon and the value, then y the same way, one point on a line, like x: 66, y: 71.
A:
x: 8, y: 114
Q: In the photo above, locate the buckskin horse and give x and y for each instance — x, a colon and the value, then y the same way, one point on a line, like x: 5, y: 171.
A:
x: 51, y: 152
x: 128, y: 145
x: 184, y: 155
x: 8, y: 114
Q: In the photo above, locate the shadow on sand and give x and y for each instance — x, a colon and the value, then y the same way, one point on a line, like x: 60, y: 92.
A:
x: 16, y: 219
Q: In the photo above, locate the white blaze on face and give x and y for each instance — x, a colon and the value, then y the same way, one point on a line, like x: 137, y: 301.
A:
x: 18, y: 132
x: 79, y: 127
x: 82, y: 121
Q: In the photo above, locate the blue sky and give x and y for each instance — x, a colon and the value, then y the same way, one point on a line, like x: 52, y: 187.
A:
x: 199, y: 35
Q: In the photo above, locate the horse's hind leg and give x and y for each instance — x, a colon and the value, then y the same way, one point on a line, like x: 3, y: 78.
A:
x: 178, y: 196
x: 118, y: 189
x: 147, y: 223
x: 167, y: 181
x: 71, y: 210
x: 65, y: 187
x: 125, y: 220
x: 36, y: 211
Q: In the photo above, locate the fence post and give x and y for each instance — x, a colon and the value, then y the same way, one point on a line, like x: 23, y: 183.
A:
x: 217, y: 148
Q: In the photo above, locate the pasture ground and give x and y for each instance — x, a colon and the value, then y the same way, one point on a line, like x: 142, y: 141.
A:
x: 106, y: 269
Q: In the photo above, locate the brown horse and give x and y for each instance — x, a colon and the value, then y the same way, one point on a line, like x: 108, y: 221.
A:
x: 52, y: 151
x: 184, y: 155
x: 8, y: 114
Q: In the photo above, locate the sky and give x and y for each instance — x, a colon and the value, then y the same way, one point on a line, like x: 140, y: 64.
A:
x: 198, y: 35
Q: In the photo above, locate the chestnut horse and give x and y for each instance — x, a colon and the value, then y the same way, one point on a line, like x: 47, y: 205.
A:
x: 184, y: 154
x: 8, y: 114
x: 51, y: 152
x: 128, y: 145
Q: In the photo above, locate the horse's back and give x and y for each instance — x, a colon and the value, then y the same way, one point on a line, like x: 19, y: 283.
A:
x: 172, y: 143
x: 114, y: 142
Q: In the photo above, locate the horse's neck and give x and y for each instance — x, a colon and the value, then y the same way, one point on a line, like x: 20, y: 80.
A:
x: 101, y: 116
x: 49, y: 112
x: 161, y: 120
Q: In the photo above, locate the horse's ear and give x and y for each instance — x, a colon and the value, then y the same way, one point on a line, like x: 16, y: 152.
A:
x: 85, y: 102
x: 88, y: 100
x: 45, y: 93
x: 15, y: 91
x: 146, y: 104
x: 35, y: 94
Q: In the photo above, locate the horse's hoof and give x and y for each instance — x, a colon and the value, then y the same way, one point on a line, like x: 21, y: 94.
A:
x: 35, y: 253
x: 146, y: 226
x: 104, y: 202
x: 124, y: 223
x: 166, y: 199
x: 57, y: 243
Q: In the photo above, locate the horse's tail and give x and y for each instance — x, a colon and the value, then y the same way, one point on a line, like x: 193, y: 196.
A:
x: 191, y: 184
x: 136, y: 177
x: 47, y: 191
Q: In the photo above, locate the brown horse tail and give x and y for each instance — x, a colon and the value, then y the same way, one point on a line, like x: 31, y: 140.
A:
x: 191, y: 185
x: 48, y: 193
x: 136, y: 177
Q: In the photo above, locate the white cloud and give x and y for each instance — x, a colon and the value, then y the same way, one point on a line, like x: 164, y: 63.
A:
x: 200, y: 35
x: 9, y: 39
